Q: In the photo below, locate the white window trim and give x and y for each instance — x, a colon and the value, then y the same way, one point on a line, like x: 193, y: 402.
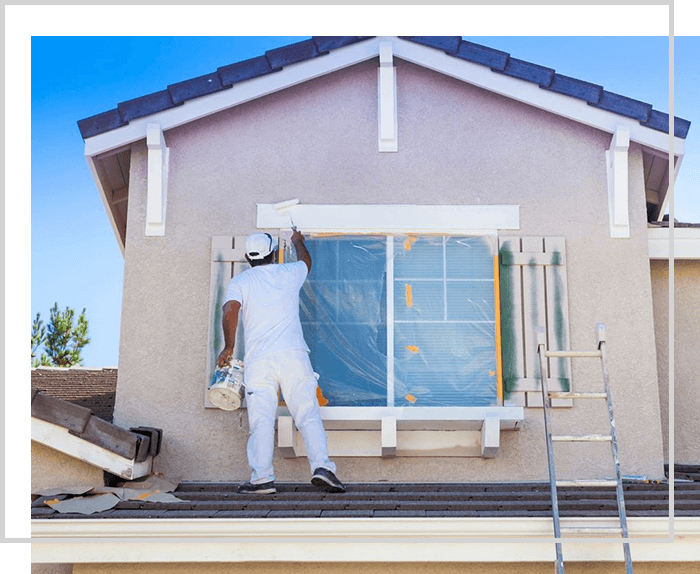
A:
x: 393, y: 219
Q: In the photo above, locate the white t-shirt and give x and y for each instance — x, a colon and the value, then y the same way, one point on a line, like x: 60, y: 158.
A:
x: 269, y: 297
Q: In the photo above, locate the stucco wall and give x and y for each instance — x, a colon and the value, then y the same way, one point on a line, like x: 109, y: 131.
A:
x: 318, y: 142
x: 53, y: 469
x: 686, y: 363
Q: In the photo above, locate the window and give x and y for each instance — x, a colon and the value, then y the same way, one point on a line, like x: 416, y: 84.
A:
x: 405, y: 321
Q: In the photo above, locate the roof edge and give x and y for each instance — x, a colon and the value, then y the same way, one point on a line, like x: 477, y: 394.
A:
x: 275, y: 60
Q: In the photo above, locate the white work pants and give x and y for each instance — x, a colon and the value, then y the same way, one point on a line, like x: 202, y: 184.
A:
x: 291, y: 372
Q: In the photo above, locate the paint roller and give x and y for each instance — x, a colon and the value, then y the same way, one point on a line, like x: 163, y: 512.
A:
x: 284, y: 207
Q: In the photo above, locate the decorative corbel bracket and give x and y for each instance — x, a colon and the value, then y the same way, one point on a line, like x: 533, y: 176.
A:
x: 617, y: 161
x: 158, y: 155
x: 388, y: 120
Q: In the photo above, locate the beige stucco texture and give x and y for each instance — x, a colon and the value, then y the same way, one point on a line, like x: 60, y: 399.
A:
x: 318, y: 142
x: 54, y: 469
x: 686, y: 360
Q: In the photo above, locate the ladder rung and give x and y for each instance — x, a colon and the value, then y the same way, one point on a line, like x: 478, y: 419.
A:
x: 591, y: 530
x: 593, y: 482
x: 583, y: 438
x: 572, y: 354
x: 565, y: 395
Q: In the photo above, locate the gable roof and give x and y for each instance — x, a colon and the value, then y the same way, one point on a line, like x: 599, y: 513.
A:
x: 109, y: 135
x: 275, y: 60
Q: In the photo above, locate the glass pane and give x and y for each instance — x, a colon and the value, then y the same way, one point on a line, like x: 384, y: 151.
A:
x: 444, y: 330
x: 419, y: 300
x: 470, y: 301
x: 469, y: 258
x: 444, y: 364
x: 418, y: 257
x: 343, y: 315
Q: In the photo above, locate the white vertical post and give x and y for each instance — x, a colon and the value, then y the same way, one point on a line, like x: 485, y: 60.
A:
x: 388, y: 130
x: 157, y: 180
x: 617, y: 160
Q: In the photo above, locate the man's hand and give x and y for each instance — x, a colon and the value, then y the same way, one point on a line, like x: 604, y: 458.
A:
x: 296, y: 236
x: 300, y: 247
x: 224, y: 359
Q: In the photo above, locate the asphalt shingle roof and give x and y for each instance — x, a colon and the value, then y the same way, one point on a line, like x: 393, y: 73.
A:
x: 94, y: 389
x: 274, y: 60
x: 377, y: 500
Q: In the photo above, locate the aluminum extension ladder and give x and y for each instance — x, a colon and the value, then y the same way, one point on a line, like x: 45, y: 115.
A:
x: 547, y: 395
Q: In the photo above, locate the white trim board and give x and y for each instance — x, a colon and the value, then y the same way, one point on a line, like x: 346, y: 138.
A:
x: 686, y: 243
x: 357, y: 540
x: 388, y: 219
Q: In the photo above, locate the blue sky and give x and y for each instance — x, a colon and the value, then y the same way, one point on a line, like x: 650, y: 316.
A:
x: 75, y: 258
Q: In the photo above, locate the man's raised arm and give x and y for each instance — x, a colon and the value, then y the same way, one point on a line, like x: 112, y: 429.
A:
x: 302, y: 252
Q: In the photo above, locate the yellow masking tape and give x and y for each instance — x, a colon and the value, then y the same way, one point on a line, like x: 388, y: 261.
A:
x: 411, y: 398
x: 413, y: 348
x: 409, y: 295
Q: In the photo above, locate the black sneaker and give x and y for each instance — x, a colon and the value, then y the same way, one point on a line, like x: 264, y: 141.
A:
x: 264, y: 488
x: 325, y: 479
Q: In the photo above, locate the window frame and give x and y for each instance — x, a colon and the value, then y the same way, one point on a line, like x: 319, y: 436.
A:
x: 392, y: 322
x: 391, y: 428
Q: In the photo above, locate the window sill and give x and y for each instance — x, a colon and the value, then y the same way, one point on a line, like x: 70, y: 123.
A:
x: 405, y: 431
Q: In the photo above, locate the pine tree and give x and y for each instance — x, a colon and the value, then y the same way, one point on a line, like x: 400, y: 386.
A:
x: 38, y: 336
x: 62, y: 338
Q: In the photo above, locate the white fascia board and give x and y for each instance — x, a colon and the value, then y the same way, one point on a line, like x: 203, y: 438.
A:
x: 197, y: 108
x: 355, y: 540
x: 388, y: 219
x: 686, y: 243
x: 430, y: 58
x: 529, y: 93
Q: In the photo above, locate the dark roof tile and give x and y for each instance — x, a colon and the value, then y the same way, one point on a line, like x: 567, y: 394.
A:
x: 449, y: 44
x: 528, y: 71
x: 292, y: 54
x: 100, y: 123
x: 460, y: 499
x: 326, y: 43
x: 93, y: 389
x: 194, y: 88
x: 494, y: 59
x: 81, y: 422
x: 245, y: 70
x: 624, y: 106
x: 145, y: 105
x: 576, y: 88
x: 660, y: 121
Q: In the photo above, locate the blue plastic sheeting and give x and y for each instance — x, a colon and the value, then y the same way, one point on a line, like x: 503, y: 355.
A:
x: 442, y: 320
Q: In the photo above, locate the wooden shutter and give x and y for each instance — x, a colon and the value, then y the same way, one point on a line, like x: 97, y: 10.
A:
x: 533, y: 293
x: 227, y: 260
